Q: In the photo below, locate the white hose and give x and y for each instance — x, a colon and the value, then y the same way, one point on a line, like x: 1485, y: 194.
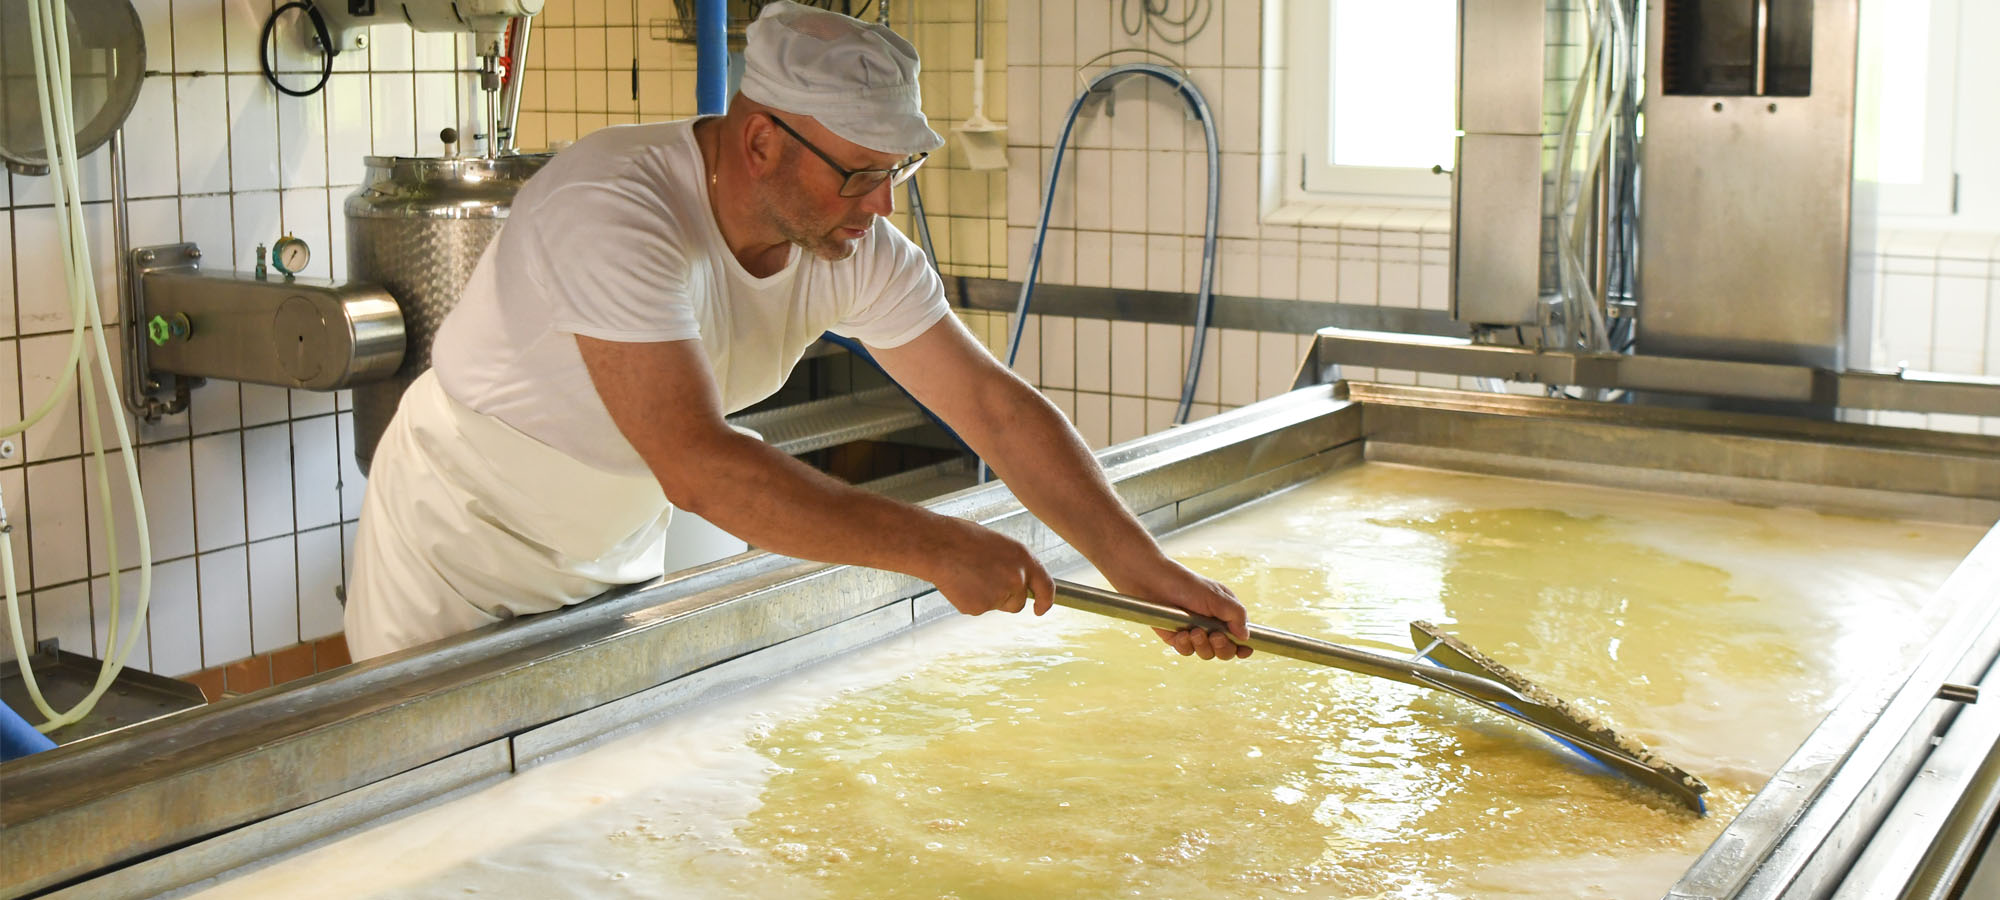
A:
x: 49, y: 23
x: 1583, y: 319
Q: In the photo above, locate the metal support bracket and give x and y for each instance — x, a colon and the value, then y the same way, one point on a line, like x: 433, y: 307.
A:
x: 145, y: 388
x: 305, y: 333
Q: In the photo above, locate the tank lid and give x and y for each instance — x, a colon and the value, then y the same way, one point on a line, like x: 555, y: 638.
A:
x: 458, y: 168
x: 466, y: 187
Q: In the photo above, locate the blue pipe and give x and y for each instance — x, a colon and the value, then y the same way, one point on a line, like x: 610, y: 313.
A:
x: 711, y: 57
x: 18, y: 738
x: 1205, y: 302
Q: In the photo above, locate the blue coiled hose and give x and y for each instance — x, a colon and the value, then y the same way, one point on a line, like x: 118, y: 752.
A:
x: 1205, y: 302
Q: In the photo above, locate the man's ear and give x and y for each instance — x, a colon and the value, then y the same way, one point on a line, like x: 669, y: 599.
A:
x: 763, y: 147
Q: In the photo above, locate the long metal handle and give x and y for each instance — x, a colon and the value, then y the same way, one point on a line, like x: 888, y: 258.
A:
x: 1285, y: 643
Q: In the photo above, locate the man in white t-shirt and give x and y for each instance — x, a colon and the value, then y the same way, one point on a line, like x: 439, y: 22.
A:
x: 652, y: 279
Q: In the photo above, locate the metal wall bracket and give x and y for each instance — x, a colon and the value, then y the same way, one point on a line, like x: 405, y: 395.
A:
x: 148, y: 394
x: 306, y: 333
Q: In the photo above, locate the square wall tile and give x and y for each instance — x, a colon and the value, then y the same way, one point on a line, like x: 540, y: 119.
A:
x: 166, y: 477
x: 353, y: 485
x: 152, y: 170
x: 218, y: 491
x: 1128, y: 419
x: 1093, y: 355
x: 253, y: 134
x: 1058, y: 352
x: 60, y: 434
x: 200, y: 104
x: 1238, y: 367
x: 122, y: 523
x: 1128, y: 358
x: 1093, y: 419
x: 349, y: 122
x: 174, y: 619
x: 14, y: 487
x: 320, y: 583
x: 274, y: 595
x: 225, y: 605
x: 1128, y: 261
x: 265, y: 404
x: 1278, y: 359
x: 302, y: 142
x: 316, y: 471
x: 216, y: 406
x: 1166, y: 362
x: 197, y: 36
x: 267, y: 481
x: 205, y: 223
x: 1092, y: 192
x: 42, y: 302
x: 1164, y: 266
x: 64, y: 613
x: 53, y: 503
x: 1093, y: 259
x: 127, y: 609
x: 393, y: 113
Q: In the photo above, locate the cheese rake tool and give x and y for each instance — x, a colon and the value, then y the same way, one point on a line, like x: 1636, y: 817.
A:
x: 1441, y: 663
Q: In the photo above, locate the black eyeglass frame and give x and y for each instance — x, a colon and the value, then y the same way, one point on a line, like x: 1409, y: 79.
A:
x: 894, y: 175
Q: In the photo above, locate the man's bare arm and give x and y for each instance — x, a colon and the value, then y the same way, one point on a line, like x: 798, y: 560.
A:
x: 1035, y: 451
x: 665, y: 403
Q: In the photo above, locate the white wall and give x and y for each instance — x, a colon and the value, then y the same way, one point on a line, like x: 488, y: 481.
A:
x: 251, y: 495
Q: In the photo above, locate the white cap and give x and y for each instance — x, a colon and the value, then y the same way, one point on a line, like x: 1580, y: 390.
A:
x: 859, y: 80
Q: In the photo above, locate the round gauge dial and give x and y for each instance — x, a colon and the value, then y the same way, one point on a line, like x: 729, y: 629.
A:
x: 290, y: 255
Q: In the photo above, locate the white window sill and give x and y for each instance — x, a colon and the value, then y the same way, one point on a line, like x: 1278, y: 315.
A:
x: 1310, y: 214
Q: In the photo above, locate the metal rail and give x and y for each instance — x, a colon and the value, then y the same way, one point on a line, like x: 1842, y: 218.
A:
x: 1853, y: 389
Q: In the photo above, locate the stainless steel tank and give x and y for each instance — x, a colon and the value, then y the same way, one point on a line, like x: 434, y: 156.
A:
x: 417, y: 226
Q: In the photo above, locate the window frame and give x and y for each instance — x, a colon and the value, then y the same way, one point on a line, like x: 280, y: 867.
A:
x: 1309, y: 176
x: 1936, y: 195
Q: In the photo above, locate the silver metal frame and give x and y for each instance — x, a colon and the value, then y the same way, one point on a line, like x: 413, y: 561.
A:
x: 1852, y: 389
x: 255, y: 776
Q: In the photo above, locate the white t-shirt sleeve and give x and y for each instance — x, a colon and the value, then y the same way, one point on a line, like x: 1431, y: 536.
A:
x: 614, y: 265
x: 899, y: 295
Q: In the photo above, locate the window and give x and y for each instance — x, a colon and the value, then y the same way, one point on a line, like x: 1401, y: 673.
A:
x: 1371, y: 96
x: 1906, y: 82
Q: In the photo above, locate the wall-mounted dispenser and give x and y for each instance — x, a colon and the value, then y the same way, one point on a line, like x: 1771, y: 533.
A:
x: 292, y: 332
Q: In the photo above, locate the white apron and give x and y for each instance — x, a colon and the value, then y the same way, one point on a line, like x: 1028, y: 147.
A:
x: 467, y: 521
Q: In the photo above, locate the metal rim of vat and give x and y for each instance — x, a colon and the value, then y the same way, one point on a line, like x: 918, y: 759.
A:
x: 499, y: 698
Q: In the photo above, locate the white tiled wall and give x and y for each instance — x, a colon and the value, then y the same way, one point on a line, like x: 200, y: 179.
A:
x: 251, y: 493
x: 1936, y: 307
x: 1130, y: 206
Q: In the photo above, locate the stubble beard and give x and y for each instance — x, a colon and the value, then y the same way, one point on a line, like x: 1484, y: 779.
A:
x: 796, y: 224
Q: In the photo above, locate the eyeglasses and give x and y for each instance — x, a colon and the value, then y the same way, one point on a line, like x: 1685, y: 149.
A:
x: 858, y: 182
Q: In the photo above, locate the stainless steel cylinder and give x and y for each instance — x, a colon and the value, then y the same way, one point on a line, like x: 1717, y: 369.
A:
x: 417, y: 226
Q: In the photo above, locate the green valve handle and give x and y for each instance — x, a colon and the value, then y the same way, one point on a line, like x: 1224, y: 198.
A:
x: 162, y: 329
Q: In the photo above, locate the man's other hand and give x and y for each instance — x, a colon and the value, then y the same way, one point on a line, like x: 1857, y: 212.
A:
x: 980, y: 570
x: 1162, y: 580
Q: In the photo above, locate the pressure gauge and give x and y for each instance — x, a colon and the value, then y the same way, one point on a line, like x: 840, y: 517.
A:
x: 290, y: 255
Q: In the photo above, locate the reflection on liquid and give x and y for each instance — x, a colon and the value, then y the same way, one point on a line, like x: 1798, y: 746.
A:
x: 1074, y: 757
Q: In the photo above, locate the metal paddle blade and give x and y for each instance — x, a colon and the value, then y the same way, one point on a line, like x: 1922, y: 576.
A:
x: 1572, y: 727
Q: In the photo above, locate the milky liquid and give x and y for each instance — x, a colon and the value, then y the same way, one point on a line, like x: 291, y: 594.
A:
x: 1070, y: 756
